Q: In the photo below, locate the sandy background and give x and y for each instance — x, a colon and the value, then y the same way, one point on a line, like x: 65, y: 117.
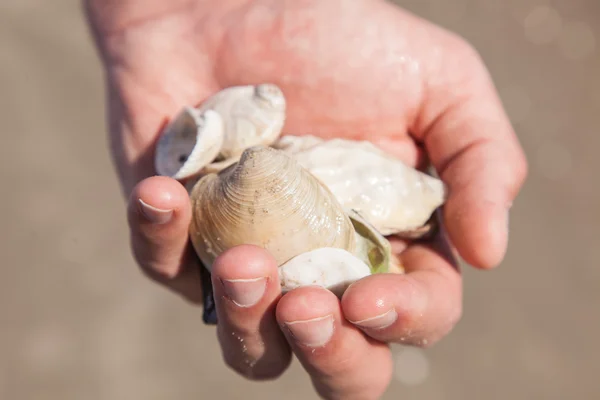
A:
x: 78, y: 321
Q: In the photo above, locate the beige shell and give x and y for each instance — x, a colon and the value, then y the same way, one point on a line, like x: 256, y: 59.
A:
x: 389, y: 194
x: 268, y: 200
x: 192, y: 139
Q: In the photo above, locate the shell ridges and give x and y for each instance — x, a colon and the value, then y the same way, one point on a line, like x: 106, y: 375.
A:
x: 268, y: 200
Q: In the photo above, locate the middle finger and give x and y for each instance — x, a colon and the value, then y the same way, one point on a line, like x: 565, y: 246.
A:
x: 246, y: 290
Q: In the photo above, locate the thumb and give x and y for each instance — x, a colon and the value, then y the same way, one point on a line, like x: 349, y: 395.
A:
x: 474, y: 149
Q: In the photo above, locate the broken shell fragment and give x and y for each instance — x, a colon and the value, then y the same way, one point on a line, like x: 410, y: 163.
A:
x: 331, y: 268
x: 390, y: 195
x: 266, y: 199
x: 190, y: 141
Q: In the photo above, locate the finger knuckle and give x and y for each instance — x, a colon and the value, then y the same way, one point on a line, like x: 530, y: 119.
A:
x: 468, y: 53
x: 473, y: 73
x: 469, y: 50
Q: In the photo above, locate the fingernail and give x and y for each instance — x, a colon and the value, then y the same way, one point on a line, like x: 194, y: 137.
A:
x: 378, y: 322
x: 313, y: 332
x: 155, y: 215
x: 245, y: 292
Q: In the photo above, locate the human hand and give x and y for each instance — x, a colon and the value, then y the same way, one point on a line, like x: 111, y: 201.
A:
x: 363, y: 69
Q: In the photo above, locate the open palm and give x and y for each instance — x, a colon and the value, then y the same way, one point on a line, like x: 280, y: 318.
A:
x: 361, y: 69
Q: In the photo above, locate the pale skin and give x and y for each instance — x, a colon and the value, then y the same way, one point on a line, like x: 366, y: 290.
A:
x: 361, y: 69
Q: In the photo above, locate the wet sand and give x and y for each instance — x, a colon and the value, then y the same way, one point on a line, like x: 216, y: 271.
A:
x: 80, y: 322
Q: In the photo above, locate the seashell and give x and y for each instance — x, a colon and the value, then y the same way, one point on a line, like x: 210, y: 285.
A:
x: 332, y: 268
x: 269, y: 200
x: 390, y: 195
x: 336, y: 269
x: 192, y: 139
x: 250, y: 115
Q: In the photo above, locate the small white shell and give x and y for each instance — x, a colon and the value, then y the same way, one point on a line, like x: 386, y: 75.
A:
x: 191, y: 140
x: 332, y: 268
x: 389, y: 194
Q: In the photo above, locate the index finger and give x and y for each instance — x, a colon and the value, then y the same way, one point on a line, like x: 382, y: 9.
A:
x: 472, y: 145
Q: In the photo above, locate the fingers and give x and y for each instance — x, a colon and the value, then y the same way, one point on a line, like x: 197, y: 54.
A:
x: 246, y: 290
x: 473, y: 147
x: 342, y: 362
x: 159, y: 215
x: 417, y: 308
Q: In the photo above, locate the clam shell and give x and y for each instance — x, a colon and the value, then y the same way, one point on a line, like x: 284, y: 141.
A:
x: 252, y: 115
x: 212, y: 136
x: 191, y: 140
x: 266, y: 199
x: 390, y: 195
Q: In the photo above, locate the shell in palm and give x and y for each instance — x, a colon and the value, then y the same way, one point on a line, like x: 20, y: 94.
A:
x: 392, y: 196
x: 267, y: 199
x: 320, y: 207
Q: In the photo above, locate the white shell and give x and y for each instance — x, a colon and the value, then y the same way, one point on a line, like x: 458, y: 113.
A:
x: 252, y: 115
x: 389, y: 194
x: 190, y: 141
x: 332, y: 268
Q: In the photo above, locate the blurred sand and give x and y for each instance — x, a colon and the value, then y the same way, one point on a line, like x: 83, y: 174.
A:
x: 80, y: 322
